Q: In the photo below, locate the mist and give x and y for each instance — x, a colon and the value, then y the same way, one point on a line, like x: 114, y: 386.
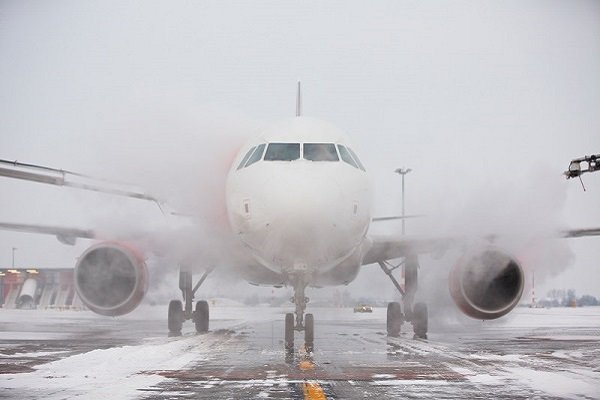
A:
x: 486, y: 102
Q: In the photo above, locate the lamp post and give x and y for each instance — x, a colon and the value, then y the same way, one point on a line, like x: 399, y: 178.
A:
x: 13, y: 257
x: 403, y: 171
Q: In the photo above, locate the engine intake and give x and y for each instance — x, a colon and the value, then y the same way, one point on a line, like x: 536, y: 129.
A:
x: 111, y: 279
x: 487, y: 285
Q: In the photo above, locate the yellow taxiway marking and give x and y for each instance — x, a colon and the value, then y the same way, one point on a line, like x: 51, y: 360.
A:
x: 306, y: 365
x: 313, y: 391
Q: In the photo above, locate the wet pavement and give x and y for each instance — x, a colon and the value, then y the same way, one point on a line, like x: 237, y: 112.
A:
x: 535, y: 354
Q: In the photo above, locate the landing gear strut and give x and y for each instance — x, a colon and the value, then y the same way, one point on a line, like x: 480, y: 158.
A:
x: 413, y: 313
x: 178, y: 313
x: 301, y: 323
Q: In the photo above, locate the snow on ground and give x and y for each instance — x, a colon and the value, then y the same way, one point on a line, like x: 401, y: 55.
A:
x: 109, y: 373
x: 526, y: 371
x: 116, y: 372
x: 567, y: 384
x: 523, y: 317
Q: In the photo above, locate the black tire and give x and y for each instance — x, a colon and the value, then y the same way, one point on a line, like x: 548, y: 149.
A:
x: 309, y: 332
x: 289, y: 332
x: 201, y: 316
x: 394, y: 319
x: 420, y: 320
x: 175, y: 317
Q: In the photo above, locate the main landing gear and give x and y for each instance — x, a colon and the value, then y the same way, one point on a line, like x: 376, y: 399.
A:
x: 302, y: 322
x: 178, y: 314
x: 413, y: 313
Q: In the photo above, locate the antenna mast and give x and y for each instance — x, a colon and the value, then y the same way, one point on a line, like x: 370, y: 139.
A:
x: 299, y: 101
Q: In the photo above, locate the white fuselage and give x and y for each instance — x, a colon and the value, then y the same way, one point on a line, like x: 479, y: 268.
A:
x: 296, y: 215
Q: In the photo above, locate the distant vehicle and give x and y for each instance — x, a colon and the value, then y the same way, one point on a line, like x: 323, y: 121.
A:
x: 363, y: 308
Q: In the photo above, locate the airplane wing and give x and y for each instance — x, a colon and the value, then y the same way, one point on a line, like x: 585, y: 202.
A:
x: 64, y: 235
x: 394, y: 218
x: 59, y: 177
x: 573, y: 233
x: 385, y: 248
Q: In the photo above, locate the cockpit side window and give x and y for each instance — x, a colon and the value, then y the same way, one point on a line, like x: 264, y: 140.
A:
x: 346, y: 157
x: 282, y: 152
x: 246, y: 157
x: 257, y: 155
x: 320, y: 152
x: 356, y: 159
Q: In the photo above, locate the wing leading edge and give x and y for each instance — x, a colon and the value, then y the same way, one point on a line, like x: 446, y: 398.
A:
x: 63, y: 234
x: 385, y: 248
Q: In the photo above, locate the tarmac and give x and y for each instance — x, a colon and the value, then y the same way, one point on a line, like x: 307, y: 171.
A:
x: 535, y: 353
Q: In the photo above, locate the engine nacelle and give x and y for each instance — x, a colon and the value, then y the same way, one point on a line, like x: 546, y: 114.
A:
x: 111, y: 279
x: 487, y: 284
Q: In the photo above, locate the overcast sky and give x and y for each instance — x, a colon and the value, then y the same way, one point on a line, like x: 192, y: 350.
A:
x: 486, y: 101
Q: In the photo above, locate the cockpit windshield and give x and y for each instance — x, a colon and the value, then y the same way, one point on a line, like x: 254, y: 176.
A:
x: 346, y: 157
x: 246, y: 157
x: 328, y: 152
x: 257, y: 155
x: 282, y: 152
x: 356, y: 159
x: 320, y: 152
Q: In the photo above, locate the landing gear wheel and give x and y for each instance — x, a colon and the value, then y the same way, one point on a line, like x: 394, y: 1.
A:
x: 175, y: 317
x: 201, y: 316
x: 289, y: 332
x: 419, y: 320
x: 309, y: 332
x: 394, y: 319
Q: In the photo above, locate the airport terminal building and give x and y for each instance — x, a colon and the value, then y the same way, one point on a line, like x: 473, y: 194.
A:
x: 39, y: 288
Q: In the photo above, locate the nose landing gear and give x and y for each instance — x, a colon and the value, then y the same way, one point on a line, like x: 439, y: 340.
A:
x: 302, y: 322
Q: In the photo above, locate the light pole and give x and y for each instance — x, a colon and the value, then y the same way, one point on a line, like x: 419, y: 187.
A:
x: 13, y: 257
x: 403, y: 171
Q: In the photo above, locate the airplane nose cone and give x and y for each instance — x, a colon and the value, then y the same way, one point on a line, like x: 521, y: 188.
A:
x: 304, y: 206
x: 304, y: 221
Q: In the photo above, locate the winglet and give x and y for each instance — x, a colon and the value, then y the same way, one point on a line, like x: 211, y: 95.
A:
x: 299, y: 101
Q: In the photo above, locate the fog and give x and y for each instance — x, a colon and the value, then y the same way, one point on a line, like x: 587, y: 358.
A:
x: 487, y: 102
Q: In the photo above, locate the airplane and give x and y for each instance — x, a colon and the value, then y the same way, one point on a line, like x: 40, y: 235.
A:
x: 299, y: 207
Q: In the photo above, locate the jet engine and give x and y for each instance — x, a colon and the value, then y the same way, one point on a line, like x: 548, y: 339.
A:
x: 486, y: 284
x: 111, y: 279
